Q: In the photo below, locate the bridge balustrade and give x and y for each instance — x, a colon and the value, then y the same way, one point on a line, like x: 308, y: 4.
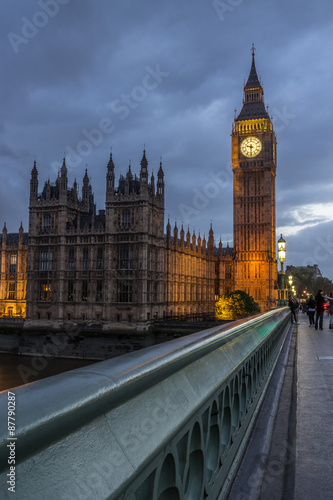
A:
x: 167, y: 422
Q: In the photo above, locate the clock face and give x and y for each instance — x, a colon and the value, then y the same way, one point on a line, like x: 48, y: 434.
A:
x: 251, y: 146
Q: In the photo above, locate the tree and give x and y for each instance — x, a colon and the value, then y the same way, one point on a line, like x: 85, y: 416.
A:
x: 304, y: 280
x: 235, y: 305
x: 324, y: 284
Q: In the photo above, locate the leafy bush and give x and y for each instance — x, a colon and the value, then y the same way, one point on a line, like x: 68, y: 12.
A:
x: 235, y: 305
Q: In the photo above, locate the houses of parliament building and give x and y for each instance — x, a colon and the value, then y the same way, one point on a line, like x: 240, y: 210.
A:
x: 119, y: 266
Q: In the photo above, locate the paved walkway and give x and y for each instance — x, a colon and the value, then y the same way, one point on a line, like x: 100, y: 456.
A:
x: 314, y: 424
x: 298, y: 463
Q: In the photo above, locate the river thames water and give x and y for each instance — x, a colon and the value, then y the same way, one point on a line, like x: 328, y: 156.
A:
x: 19, y: 370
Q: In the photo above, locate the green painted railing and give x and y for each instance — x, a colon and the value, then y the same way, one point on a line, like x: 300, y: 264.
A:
x: 165, y: 423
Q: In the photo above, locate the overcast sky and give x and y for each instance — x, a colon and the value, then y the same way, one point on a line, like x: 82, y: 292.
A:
x: 82, y: 77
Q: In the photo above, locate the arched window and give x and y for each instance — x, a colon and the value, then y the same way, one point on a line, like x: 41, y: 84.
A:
x: 126, y: 218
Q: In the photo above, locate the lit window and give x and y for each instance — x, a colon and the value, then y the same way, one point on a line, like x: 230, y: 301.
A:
x: 13, y: 262
x: 11, y: 290
x: 45, y: 290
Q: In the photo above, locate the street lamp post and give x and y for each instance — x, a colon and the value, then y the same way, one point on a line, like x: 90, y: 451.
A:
x: 282, y: 258
x: 290, y: 281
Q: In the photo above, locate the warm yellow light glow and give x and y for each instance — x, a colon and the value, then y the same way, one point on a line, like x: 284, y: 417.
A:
x: 13, y: 309
x: 282, y: 249
x: 251, y: 146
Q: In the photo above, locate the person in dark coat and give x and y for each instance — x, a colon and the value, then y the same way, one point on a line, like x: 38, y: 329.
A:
x: 330, y: 309
x: 320, y: 301
x: 293, y: 307
x: 311, y: 307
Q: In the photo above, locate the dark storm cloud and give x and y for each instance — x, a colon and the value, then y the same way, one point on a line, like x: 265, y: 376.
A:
x: 81, y: 77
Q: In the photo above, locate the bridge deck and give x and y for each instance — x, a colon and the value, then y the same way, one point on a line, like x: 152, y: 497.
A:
x: 290, y: 452
x: 314, y: 436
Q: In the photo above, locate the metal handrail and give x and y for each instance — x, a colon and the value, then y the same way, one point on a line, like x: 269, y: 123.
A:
x: 52, y: 409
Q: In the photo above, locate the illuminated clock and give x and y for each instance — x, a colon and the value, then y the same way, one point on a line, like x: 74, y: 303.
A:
x: 251, y: 146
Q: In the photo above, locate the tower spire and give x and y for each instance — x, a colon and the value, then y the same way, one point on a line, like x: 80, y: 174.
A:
x: 34, y: 182
x: 253, y: 97
x: 253, y: 81
x: 160, y: 181
x: 63, y: 177
x: 110, y: 177
x: 144, y: 169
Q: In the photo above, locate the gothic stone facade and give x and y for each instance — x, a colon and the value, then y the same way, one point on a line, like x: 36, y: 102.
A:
x: 13, y: 273
x: 118, y: 267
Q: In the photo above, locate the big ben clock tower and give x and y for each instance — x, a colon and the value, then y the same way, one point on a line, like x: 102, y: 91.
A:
x: 254, y: 171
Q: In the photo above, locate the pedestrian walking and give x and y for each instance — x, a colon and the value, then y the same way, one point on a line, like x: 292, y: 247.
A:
x: 330, y: 309
x: 320, y: 301
x: 293, y: 305
x: 311, y: 307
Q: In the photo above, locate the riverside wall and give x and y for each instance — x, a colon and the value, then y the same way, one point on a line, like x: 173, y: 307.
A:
x: 86, y: 341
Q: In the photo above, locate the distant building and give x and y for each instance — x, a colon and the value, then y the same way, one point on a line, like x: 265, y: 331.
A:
x: 118, y: 266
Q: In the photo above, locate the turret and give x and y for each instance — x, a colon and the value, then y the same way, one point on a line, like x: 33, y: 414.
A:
x: 199, y: 243
x: 211, y: 241
x: 160, y: 182
x: 168, y: 233
x: 34, y: 183
x: 4, y: 237
x: 85, y: 192
x: 63, y: 178
x: 182, y: 237
x: 152, y: 185
x: 92, y: 205
x: 74, y: 191
x: 128, y: 181
x: 57, y: 182
x: 47, y: 188
x: 21, y: 232
x: 175, y: 235
x: 220, y: 248
x: 204, y: 246
x: 188, y: 239
x: 144, y: 170
x: 110, y: 178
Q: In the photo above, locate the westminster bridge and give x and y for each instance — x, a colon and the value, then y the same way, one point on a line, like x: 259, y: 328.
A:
x: 242, y: 411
